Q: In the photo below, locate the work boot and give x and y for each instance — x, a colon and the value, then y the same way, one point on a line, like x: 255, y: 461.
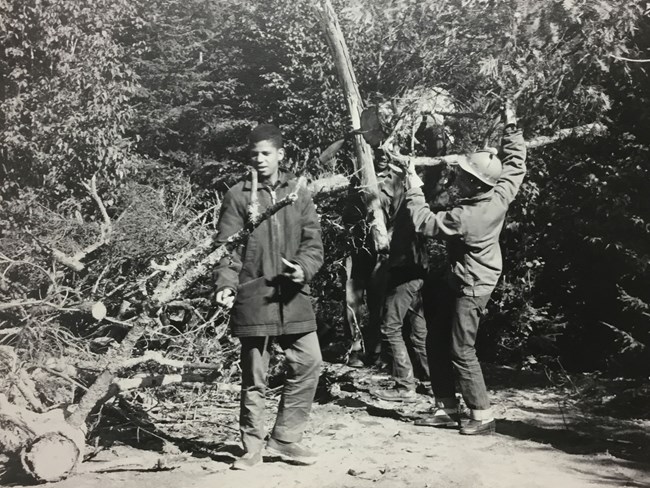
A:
x: 441, y: 417
x: 355, y: 359
x: 478, y: 427
x: 247, y: 461
x: 291, y: 452
x: 397, y: 395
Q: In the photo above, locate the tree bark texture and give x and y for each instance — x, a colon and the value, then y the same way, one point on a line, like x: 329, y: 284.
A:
x: 364, y: 161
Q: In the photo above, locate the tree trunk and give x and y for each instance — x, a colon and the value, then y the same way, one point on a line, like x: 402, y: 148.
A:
x: 48, y: 448
x: 364, y: 161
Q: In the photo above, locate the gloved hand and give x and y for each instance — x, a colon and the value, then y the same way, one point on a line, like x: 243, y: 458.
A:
x: 225, y: 298
x: 508, y: 115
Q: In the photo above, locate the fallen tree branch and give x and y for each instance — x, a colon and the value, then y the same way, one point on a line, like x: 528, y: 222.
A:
x: 101, y: 386
x: 158, y: 357
x: 76, y: 262
x: 148, y: 381
x: 21, y: 383
x: 595, y: 129
x: 11, y: 331
x: 32, y: 303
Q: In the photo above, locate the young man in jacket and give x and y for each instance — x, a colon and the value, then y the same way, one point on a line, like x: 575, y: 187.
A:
x: 472, y: 231
x: 265, y: 281
x: 392, y: 285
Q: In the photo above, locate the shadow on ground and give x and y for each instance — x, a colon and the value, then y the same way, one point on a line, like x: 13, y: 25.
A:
x: 576, y: 442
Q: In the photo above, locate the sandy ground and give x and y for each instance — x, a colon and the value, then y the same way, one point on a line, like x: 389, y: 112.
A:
x: 541, y: 441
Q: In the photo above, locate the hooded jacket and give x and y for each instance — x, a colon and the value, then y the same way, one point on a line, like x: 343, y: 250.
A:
x: 266, y: 303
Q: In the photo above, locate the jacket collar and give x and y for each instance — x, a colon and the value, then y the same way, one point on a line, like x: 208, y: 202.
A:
x: 481, y: 197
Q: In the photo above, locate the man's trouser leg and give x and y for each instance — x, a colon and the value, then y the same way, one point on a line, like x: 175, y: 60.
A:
x: 398, y: 301
x: 465, y: 322
x: 303, y: 360
x: 441, y: 369
x: 363, y: 279
x: 375, y: 294
x: 255, y: 354
x: 418, y: 337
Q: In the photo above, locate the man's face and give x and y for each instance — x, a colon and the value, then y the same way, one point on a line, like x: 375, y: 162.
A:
x: 265, y: 158
x: 465, y: 184
x: 380, y: 159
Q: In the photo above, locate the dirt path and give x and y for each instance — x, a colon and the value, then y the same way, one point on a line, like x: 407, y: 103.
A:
x: 541, y: 441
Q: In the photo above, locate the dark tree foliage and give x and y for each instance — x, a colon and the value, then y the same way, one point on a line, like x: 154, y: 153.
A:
x: 151, y: 92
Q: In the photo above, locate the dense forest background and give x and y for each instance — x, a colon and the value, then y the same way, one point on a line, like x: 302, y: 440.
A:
x: 154, y: 99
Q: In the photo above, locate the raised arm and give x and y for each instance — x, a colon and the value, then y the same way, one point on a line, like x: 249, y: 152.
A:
x: 441, y: 225
x: 513, y: 157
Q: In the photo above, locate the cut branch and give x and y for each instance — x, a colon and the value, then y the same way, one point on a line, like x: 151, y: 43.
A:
x: 123, y: 384
x: 100, y: 388
x: 163, y: 361
x: 76, y: 262
x: 594, y: 129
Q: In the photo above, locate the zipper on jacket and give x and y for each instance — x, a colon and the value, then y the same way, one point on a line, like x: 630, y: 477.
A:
x: 273, y: 221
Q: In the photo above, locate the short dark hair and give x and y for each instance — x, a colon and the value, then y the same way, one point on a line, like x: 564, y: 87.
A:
x: 266, y: 132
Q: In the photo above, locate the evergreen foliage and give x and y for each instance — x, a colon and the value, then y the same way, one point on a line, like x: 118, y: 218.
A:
x: 155, y: 98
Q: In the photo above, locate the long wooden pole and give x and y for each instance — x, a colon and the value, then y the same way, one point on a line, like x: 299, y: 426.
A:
x: 364, y: 161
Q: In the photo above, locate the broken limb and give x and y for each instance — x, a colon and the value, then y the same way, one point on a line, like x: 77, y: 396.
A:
x: 148, y: 381
x: 76, y: 262
x: 594, y: 129
x: 158, y: 358
x: 101, y: 386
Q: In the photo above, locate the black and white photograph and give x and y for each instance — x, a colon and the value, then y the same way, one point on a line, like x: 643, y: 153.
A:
x: 325, y: 243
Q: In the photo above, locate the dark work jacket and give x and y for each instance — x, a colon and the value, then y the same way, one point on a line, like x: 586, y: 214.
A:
x: 267, y: 304
x: 473, y: 226
x: 407, y: 253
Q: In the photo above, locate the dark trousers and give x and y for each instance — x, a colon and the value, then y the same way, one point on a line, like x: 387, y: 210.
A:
x: 451, y: 349
x: 303, y: 360
x: 403, y: 301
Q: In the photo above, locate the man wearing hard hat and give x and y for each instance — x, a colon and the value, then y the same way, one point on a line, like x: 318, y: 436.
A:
x: 486, y: 185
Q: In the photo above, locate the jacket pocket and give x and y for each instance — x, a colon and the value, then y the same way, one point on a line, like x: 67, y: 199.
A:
x: 299, y: 308
x: 253, y: 304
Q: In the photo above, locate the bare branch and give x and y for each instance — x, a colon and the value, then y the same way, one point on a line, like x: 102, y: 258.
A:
x: 158, y: 358
x: 621, y: 58
x: 31, y: 303
x: 594, y: 129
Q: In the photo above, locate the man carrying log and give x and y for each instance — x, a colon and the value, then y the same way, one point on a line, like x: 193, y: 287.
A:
x: 471, y: 228
x: 391, y: 283
x: 265, y: 283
